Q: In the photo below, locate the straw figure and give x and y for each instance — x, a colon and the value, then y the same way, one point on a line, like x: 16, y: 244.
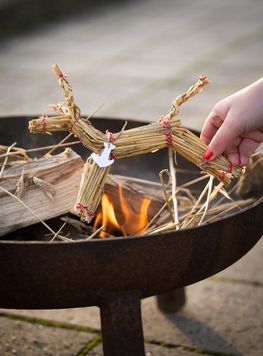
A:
x: 108, y: 146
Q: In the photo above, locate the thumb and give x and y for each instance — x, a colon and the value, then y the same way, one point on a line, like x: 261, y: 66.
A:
x: 223, y: 139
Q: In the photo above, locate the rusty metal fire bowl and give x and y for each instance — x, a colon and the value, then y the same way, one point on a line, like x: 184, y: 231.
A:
x: 115, y: 273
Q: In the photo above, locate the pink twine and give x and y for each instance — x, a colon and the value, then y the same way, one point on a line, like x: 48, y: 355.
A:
x: 200, y: 83
x: 43, y: 119
x: 61, y: 75
x: 110, y: 139
x: 168, y: 136
x: 223, y: 173
x: 83, y: 208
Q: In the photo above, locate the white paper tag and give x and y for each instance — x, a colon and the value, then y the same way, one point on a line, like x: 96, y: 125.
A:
x: 103, y: 160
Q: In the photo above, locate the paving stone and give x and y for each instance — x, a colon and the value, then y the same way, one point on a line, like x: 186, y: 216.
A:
x: 248, y: 268
x: 79, y: 316
x: 217, y: 317
x: 151, y: 350
x: 21, y: 338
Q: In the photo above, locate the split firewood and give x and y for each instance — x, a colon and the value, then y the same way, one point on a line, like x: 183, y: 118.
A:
x: 48, y: 186
x: 134, y: 190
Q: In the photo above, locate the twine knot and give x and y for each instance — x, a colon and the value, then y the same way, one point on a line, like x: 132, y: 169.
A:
x: 43, y: 120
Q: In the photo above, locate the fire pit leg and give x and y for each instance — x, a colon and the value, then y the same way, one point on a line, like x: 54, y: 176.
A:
x: 171, y: 302
x: 121, y: 324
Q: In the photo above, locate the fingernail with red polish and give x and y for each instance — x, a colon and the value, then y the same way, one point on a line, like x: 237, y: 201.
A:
x: 207, y: 155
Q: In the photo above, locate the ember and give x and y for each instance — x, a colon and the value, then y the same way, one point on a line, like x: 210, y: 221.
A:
x: 133, y: 223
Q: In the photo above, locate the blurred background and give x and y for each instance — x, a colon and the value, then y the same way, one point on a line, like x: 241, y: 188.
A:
x: 134, y: 57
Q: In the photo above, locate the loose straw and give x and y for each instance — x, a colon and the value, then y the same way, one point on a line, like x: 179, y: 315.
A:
x: 161, y: 174
x: 58, y: 232
x: 183, y: 186
x: 173, y: 178
x: 60, y: 143
x: 95, y: 233
x: 6, y: 159
x: 208, y: 199
x: 41, y: 148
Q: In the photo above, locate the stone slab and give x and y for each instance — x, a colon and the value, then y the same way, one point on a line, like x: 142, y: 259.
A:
x: 151, y: 350
x: 219, y: 317
x: 78, y: 316
x: 249, y: 268
x: 22, y: 338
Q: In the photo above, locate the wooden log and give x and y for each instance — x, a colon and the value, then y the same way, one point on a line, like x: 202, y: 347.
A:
x: 51, y: 187
x: 134, y: 191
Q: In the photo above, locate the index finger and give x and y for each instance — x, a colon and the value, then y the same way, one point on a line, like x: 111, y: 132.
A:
x: 210, y: 128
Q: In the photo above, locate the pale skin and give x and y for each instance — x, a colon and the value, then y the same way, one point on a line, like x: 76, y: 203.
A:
x: 234, y: 127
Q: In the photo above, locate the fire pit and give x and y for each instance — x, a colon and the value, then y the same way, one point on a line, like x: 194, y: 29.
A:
x: 115, y: 273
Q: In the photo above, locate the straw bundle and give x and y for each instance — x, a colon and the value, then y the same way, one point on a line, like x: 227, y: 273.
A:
x: 145, y: 139
x: 90, y: 190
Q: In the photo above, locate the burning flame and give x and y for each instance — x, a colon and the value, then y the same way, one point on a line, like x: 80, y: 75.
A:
x: 134, y: 224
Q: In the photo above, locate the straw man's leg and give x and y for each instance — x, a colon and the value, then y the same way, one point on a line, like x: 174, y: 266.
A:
x: 90, y: 191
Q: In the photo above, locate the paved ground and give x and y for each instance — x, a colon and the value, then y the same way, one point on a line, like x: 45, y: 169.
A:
x: 134, y: 59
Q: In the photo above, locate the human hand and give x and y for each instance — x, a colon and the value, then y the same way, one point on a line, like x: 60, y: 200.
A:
x: 234, y: 127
